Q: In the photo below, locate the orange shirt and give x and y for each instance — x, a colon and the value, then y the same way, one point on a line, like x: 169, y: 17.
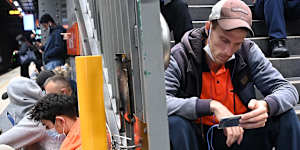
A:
x: 218, y: 86
x: 73, y: 140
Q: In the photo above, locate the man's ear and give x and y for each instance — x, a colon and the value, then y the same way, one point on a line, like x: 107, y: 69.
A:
x: 66, y: 91
x: 59, y: 120
x: 207, y: 27
x: 59, y: 124
x: 63, y: 91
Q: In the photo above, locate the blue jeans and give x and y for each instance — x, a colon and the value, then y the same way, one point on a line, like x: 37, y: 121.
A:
x: 52, y: 64
x: 275, y: 13
x: 282, y: 132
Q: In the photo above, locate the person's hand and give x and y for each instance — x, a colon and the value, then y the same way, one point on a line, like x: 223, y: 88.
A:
x: 66, y: 36
x: 38, y: 44
x: 234, y: 134
x: 257, y: 117
x: 15, y: 52
x: 41, y: 51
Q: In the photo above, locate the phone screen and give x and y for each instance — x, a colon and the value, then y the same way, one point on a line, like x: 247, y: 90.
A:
x: 230, y: 121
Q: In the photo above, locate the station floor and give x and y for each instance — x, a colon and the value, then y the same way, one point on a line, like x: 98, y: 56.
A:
x: 4, y: 80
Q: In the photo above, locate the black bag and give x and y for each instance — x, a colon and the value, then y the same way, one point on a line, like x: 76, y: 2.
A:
x: 28, y: 57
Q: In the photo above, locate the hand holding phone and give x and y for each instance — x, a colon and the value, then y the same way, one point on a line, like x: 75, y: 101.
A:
x: 229, y: 121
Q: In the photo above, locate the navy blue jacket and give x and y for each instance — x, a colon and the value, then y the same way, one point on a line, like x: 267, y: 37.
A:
x: 55, y: 47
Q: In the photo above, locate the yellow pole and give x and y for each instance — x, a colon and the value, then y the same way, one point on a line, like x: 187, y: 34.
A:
x: 91, y: 102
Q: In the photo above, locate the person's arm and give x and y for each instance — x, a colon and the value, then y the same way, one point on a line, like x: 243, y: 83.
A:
x: 23, y: 49
x: 280, y: 94
x: 189, y: 108
x: 25, y: 133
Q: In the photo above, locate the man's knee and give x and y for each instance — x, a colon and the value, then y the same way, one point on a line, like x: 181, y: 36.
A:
x: 178, y: 126
x: 289, y: 119
x: 182, y: 134
x: 289, y: 115
x: 177, y: 122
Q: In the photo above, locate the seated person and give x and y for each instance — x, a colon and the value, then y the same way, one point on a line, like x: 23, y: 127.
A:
x: 59, y: 111
x: 24, y: 47
x: 65, y: 71
x: 19, y: 131
x: 58, y: 84
x: 211, y: 75
x: 43, y: 76
x: 177, y: 16
x: 275, y: 18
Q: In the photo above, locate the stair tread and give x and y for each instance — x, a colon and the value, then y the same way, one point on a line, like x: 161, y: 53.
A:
x: 210, y: 2
x: 297, y: 108
x: 287, y: 58
x: 293, y: 79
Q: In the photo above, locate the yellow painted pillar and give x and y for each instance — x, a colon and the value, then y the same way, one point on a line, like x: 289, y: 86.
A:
x: 91, y: 102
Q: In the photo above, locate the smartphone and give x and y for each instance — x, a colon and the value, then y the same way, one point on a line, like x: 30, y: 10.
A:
x: 229, y: 121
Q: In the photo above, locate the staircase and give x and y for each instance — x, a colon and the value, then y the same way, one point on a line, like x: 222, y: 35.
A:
x: 289, y: 67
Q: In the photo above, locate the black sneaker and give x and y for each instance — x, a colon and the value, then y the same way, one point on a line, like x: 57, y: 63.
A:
x: 278, y: 48
x: 4, y: 96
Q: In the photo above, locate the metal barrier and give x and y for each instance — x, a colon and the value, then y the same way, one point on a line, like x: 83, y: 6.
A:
x: 128, y: 33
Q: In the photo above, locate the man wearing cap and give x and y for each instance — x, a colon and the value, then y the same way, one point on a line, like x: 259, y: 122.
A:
x: 211, y: 75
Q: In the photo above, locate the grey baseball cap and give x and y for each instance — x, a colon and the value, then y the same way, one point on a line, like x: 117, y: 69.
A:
x: 232, y: 14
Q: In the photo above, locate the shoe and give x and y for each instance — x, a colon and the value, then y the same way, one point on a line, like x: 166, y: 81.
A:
x: 4, y: 96
x: 279, y: 49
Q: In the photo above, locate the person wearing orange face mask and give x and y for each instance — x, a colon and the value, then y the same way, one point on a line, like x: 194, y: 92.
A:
x: 59, y: 112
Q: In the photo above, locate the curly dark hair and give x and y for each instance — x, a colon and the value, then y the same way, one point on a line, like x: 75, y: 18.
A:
x: 52, y: 105
x: 46, y: 18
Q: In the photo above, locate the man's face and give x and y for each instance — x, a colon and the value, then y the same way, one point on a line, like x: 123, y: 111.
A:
x: 45, y: 26
x: 224, y: 44
x: 48, y: 124
x: 58, y: 125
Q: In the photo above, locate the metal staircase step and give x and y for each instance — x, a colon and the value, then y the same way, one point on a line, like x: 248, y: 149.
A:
x: 260, y: 28
x: 296, y: 82
x: 210, y: 2
x: 293, y: 44
x: 201, y: 12
x: 288, y: 67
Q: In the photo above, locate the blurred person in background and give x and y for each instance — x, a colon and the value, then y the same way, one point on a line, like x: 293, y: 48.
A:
x: 54, y: 50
